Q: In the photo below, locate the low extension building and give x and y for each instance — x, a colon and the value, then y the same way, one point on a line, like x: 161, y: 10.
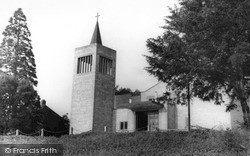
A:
x: 145, y: 113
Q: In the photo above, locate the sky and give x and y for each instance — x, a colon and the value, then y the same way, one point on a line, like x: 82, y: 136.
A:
x: 59, y: 26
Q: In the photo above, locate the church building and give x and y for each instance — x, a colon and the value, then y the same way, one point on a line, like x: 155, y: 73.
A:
x: 93, y: 86
x: 145, y: 113
x: 95, y: 107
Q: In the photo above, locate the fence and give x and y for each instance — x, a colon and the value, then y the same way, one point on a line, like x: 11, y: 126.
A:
x: 37, y: 133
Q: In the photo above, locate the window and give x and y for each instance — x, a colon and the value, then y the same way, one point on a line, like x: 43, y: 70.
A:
x: 129, y: 100
x: 84, y: 64
x: 105, y: 65
x: 123, y: 125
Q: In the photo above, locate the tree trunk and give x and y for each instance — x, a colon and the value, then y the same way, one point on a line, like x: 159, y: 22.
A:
x: 5, y: 128
x: 6, y: 125
x: 246, y: 113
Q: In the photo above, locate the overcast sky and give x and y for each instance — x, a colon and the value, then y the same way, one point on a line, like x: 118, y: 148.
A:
x: 59, y: 26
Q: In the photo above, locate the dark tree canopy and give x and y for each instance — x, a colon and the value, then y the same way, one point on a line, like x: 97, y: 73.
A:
x: 19, y: 105
x: 121, y: 91
x: 206, y: 44
x: 66, y: 121
x: 16, y: 56
x: 19, y: 100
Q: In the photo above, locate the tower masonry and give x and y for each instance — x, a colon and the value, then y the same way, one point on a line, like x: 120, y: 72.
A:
x: 93, y: 87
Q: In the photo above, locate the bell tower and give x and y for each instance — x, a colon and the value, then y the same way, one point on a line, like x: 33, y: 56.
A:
x: 93, y: 86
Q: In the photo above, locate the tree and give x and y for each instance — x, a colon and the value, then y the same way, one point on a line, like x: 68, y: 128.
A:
x: 136, y: 93
x: 206, y: 44
x: 19, y: 104
x: 19, y: 101
x: 16, y: 57
x: 121, y: 91
x: 66, y: 121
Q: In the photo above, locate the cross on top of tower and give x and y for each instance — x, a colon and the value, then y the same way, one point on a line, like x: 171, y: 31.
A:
x: 96, y: 38
x: 97, y: 16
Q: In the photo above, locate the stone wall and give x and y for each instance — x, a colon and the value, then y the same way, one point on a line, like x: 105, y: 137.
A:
x: 82, y: 94
x: 104, y: 92
x: 93, y: 92
x: 103, y: 103
x: 237, y: 115
x: 182, y: 117
x: 163, y: 118
x: 172, y: 116
x: 125, y: 115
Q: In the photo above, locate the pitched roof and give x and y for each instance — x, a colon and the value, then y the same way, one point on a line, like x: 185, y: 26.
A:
x: 96, y: 37
x: 51, y: 119
x: 141, y: 106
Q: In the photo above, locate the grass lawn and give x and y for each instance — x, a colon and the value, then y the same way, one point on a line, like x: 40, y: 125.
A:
x: 194, y: 143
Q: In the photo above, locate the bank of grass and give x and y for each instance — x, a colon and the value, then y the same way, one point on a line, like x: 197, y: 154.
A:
x: 194, y: 143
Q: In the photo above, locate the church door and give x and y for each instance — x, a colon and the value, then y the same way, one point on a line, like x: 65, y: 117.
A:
x: 141, y: 121
x: 153, y: 120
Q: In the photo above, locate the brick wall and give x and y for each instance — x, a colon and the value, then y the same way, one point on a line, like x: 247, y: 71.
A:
x: 136, y: 98
x: 121, y: 99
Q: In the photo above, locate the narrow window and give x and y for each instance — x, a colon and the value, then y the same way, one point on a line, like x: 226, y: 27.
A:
x: 78, y: 67
x: 105, y: 65
x: 124, y: 125
x: 84, y: 64
x: 121, y: 125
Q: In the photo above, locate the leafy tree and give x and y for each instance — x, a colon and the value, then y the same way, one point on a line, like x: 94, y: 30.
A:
x: 19, y: 101
x: 121, y: 91
x: 136, y: 93
x: 16, y: 57
x: 19, y: 104
x: 66, y: 121
x: 206, y: 44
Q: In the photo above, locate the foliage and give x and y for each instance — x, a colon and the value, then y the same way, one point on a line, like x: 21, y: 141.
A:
x: 121, y: 91
x: 136, y: 93
x: 19, y: 101
x: 197, y: 142
x: 206, y: 44
x: 66, y: 121
x: 16, y: 56
x: 19, y: 105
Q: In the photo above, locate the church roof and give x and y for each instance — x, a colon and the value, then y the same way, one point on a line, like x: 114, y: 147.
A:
x: 96, y: 37
x: 141, y: 106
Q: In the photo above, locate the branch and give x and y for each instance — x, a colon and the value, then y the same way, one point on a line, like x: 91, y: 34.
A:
x: 231, y: 105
